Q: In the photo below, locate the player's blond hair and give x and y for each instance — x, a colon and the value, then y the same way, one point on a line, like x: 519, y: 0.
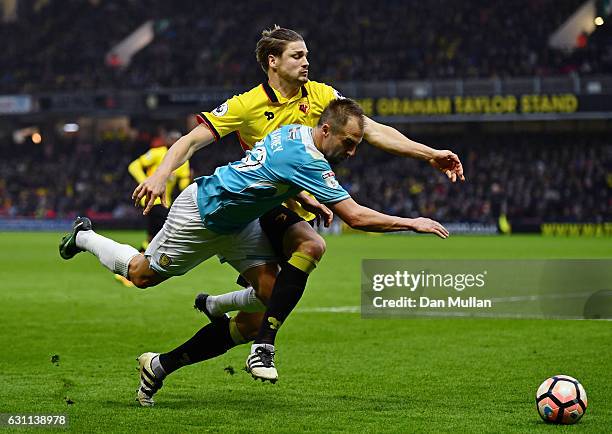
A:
x: 273, y: 41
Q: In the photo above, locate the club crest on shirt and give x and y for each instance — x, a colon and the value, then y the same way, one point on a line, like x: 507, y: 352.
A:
x: 304, y: 107
x: 221, y: 110
x: 330, y: 179
x: 164, y: 260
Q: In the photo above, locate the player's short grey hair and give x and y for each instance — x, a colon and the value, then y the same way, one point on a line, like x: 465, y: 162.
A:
x: 273, y: 41
x: 338, y: 112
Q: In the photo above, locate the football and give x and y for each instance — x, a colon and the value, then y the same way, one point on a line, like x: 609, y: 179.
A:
x: 561, y: 399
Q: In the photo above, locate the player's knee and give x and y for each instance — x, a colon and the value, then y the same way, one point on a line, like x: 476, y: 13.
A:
x: 320, y: 247
x: 140, y: 273
x: 301, y: 237
x: 313, y: 247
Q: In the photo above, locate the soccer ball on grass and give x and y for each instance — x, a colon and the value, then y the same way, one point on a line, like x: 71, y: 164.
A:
x: 561, y: 399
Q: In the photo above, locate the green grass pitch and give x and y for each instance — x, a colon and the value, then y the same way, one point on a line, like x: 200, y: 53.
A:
x: 338, y: 372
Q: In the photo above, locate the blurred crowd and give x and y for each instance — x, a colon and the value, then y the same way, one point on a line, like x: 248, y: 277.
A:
x: 525, y: 177
x: 68, y: 176
x: 62, y: 44
x: 528, y: 177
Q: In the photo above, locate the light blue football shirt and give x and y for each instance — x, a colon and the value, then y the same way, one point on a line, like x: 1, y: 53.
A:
x: 284, y: 163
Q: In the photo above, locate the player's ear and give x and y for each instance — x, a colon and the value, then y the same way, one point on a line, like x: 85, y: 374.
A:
x: 326, y: 129
x: 271, y: 61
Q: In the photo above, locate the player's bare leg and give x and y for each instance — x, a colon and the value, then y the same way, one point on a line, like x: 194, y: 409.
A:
x: 141, y: 274
x: 248, y: 324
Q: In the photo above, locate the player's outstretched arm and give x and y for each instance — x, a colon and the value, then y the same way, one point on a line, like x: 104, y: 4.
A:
x: 366, y: 219
x: 182, y: 150
x: 391, y: 140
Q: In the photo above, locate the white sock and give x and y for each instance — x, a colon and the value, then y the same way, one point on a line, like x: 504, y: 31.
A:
x: 114, y: 256
x: 245, y: 300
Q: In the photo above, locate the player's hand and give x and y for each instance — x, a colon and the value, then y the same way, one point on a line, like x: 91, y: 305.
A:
x: 151, y: 188
x: 322, y: 213
x: 428, y: 226
x: 448, y: 163
x: 312, y: 205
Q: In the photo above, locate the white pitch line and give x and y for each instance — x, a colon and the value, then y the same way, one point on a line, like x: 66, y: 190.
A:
x: 331, y: 309
x: 540, y: 297
x: 357, y: 309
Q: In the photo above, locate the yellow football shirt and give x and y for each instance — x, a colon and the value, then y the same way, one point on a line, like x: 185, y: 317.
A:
x: 145, y: 165
x: 258, y: 112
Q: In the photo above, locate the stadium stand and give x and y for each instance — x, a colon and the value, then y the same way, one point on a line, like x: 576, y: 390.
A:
x: 394, y: 41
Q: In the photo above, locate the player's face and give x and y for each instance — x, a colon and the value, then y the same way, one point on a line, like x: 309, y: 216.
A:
x: 342, y: 145
x: 292, y: 65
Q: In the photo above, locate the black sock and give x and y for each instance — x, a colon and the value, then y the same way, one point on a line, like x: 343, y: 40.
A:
x: 211, y: 341
x: 288, y: 289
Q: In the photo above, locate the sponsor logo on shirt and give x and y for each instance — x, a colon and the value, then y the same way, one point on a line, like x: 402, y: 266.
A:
x: 330, y: 179
x: 294, y: 133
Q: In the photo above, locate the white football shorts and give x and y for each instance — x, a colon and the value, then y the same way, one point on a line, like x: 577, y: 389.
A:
x: 184, y: 242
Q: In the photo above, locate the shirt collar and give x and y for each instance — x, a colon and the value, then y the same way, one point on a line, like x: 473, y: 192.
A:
x: 276, y: 98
